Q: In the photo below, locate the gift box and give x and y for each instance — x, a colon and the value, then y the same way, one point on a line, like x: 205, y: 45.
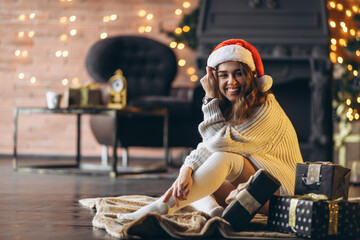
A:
x: 310, y: 217
x: 322, y: 178
x: 248, y: 198
x: 81, y: 96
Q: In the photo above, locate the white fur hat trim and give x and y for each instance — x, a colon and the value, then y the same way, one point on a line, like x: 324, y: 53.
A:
x: 231, y: 53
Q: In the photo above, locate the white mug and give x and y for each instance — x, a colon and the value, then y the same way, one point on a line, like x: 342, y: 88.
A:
x: 53, y: 100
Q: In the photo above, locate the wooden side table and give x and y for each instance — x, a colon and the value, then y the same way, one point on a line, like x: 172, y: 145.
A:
x: 116, y: 113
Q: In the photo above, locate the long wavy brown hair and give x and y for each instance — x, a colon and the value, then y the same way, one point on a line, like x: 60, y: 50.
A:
x: 250, y: 98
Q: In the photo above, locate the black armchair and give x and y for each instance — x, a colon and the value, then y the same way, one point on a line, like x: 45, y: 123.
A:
x: 150, y: 68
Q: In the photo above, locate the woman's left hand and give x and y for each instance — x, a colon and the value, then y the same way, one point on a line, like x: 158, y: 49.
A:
x: 181, y: 187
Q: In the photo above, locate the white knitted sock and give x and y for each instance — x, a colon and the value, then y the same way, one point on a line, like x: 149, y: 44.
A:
x: 208, y: 205
x: 158, y: 206
x: 206, y: 180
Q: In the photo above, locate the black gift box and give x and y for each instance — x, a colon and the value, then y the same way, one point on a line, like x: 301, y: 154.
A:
x: 322, y: 178
x: 314, y: 218
x: 241, y: 211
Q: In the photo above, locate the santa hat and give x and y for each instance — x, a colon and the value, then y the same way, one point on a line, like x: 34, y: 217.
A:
x: 241, y: 51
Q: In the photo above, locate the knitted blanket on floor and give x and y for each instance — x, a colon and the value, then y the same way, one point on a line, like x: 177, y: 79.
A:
x: 185, y: 223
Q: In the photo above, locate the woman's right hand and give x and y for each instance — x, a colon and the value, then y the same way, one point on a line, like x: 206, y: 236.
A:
x: 181, y: 187
x: 209, y: 83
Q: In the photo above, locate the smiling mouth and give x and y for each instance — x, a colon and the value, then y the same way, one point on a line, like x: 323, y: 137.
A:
x: 233, y: 90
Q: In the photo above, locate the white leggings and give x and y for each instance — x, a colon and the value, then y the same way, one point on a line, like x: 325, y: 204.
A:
x: 206, y: 180
x: 220, y: 166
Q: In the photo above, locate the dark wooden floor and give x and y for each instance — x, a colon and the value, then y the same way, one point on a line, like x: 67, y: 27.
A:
x: 45, y: 206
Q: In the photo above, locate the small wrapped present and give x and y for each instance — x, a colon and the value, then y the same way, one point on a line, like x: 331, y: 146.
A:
x: 312, y: 216
x: 82, y: 96
x: 248, y: 198
x: 322, y: 178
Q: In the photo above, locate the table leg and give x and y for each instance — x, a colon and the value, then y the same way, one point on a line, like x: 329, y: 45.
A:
x: 78, y: 140
x: 113, y: 173
x: 166, y: 140
x: 15, y: 160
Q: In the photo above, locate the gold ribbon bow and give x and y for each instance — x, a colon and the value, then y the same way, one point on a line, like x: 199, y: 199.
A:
x: 92, y: 85
x: 333, y: 210
x: 86, y: 85
x: 76, y: 86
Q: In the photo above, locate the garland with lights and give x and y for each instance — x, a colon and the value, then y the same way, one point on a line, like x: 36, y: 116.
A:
x: 188, y: 25
x: 347, y: 81
x: 344, y: 54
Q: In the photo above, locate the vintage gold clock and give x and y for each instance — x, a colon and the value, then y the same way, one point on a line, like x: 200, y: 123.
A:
x: 118, y: 90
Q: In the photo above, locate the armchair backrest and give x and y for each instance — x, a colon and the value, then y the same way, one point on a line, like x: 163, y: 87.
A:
x: 148, y: 65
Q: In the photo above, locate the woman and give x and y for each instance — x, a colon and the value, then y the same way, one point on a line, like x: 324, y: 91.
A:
x: 244, y: 129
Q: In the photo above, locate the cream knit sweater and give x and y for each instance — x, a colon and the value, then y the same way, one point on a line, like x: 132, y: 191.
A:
x: 268, y: 140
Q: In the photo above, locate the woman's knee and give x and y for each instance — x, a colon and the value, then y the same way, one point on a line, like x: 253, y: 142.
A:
x: 231, y: 161
x: 227, y: 158
x: 247, y: 171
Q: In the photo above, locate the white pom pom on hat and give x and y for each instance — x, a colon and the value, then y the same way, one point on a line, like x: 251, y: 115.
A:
x: 265, y: 82
x: 241, y: 51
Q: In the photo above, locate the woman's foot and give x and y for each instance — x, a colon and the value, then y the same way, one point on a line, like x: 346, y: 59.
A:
x: 216, y: 212
x: 157, y: 207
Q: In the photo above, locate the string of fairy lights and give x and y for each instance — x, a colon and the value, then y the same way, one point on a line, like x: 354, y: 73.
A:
x: 343, y: 28
x: 178, y: 31
x: 69, y: 31
x: 24, y: 53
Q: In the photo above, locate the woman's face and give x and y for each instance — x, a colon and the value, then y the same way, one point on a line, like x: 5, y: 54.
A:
x: 231, y: 79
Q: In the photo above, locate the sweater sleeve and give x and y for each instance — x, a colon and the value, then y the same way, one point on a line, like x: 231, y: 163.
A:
x: 197, y: 157
x: 253, y: 136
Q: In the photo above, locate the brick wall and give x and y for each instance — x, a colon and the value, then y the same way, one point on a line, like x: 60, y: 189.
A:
x: 29, y: 66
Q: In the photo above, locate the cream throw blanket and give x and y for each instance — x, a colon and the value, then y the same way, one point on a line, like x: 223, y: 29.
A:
x: 185, y: 223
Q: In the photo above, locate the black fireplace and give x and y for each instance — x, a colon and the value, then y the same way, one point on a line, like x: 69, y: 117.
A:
x: 292, y: 38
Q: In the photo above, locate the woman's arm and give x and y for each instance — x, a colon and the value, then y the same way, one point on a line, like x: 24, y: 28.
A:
x: 197, y: 157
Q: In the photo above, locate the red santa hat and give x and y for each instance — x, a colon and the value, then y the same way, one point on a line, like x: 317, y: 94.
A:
x: 241, y: 51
